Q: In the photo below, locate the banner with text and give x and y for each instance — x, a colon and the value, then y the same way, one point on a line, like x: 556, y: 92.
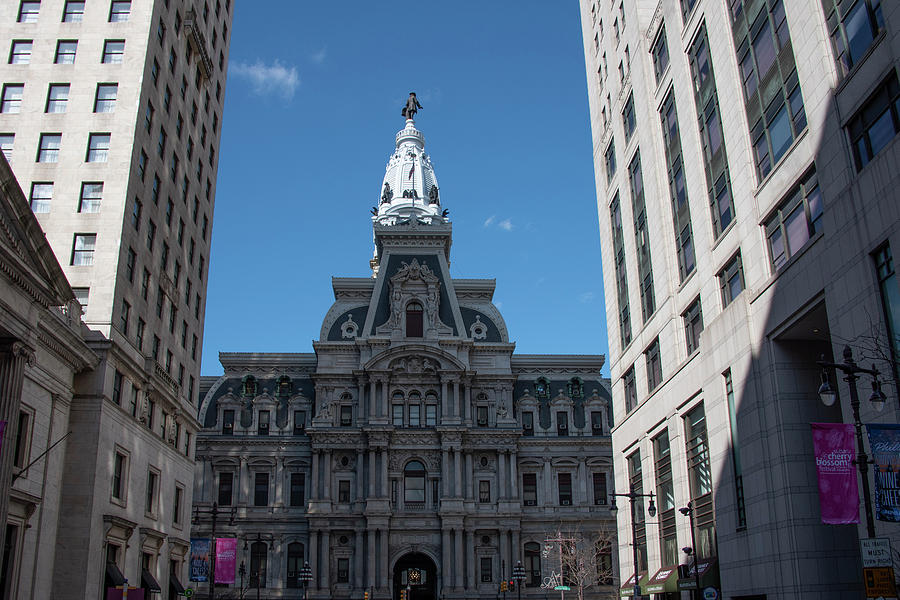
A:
x: 226, y: 555
x: 885, y: 442
x: 199, y: 559
x: 835, y: 456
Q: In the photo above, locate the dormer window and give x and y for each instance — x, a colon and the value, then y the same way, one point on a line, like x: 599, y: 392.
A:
x: 575, y: 388
x: 299, y: 422
x: 482, y: 414
x: 414, y: 324
x: 528, y: 423
x: 542, y: 388
x: 263, y: 424
x: 285, y: 386
x: 596, y: 422
x: 346, y: 416
x: 249, y: 386
x: 228, y: 422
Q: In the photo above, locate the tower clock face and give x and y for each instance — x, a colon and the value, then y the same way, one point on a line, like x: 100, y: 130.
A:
x: 415, y: 576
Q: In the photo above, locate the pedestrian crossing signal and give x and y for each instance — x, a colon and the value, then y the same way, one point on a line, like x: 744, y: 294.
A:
x: 502, y: 586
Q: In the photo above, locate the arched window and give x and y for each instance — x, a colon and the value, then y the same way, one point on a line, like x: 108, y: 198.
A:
x: 414, y: 484
x: 258, y: 563
x: 533, y: 564
x: 415, y: 409
x: 285, y: 387
x: 249, y: 387
x: 414, y: 326
x: 542, y: 388
x: 431, y: 405
x: 294, y: 564
x: 576, y: 388
x: 397, y: 409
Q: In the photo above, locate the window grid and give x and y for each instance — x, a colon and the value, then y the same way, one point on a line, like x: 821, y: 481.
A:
x: 618, y: 235
x: 852, y: 27
x: 731, y: 279
x: 654, y: 366
x: 665, y: 494
x: 797, y: 219
x: 41, y: 196
x: 681, y: 209
x: 875, y: 124
x: 642, y: 238
x: 65, y: 52
x: 693, y: 325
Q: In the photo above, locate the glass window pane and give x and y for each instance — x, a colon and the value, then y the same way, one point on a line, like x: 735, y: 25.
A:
x: 780, y: 133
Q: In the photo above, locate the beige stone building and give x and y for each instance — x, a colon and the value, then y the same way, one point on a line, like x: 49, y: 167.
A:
x: 414, y: 447
x: 111, y: 115
x: 746, y: 165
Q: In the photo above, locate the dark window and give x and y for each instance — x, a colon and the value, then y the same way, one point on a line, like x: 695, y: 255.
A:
x: 610, y: 161
x: 343, y: 570
x: 118, y: 482
x: 298, y: 489
x: 654, y: 366
x: 263, y: 424
x: 261, y: 489
x: 294, y: 564
x: 414, y: 327
x: 876, y: 123
x: 630, y: 390
x: 484, y: 491
x: 665, y: 495
x: 797, y: 219
x: 562, y: 424
x: 693, y: 325
x: 681, y: 210
x: 258, y: 564
x: 639, y: 526
x: 397, y: 415
x: 529, y: 489
x: 731, y: 279
x: 618, y: 235
x: 628, y: 118
x: 344, y: 491
x: 23, y: 435
x: 227, y: 422
x: 740, y: 506
x: 853, y: 27
x: 533, y: 564
x: 414, y: 483
x: 599, y: 481
x: 528, y: 423
x: 482, y: 415
x: 596, y: 422
x: 299, y: 422
x: 660, y: 53
x: 565, y: 488
x: 642, y: 238
x: 486, y: 570
x: 700, y: 480
x: 150, y: 499
x: 117, y: 387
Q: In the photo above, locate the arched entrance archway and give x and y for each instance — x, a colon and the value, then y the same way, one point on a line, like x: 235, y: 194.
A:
x: 419, y: 573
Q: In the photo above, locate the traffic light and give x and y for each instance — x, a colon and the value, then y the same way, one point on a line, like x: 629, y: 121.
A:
x: 502, y: 586
x: 366, y: 595
x: 512, y: 585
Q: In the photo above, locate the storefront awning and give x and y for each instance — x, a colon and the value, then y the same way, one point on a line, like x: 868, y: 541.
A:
x: 114, y: 574
x: 709, y: 575
x: 175, y: 586
x: 149, y: 583
x: 664, y: 580
x: 628, y: 586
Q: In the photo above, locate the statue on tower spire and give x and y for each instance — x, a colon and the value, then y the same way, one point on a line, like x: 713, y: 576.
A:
x: 412, y: 106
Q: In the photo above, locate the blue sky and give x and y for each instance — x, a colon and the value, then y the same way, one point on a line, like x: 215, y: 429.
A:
x: 312, y: 106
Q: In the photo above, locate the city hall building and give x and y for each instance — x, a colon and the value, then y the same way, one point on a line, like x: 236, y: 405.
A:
x: 413, y: 448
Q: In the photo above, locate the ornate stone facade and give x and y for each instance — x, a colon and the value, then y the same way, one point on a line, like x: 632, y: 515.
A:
x: 414, y: 445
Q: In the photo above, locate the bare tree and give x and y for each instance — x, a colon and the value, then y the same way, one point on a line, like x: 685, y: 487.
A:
x: 581, y: 559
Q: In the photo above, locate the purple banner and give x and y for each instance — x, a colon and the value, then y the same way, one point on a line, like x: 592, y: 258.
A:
x: 226, y: 556
x: 199, y: 559
x: 885, y: 443
x: 835, y: 457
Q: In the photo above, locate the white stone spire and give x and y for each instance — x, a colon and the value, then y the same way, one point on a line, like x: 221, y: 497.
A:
x: 410, y: 187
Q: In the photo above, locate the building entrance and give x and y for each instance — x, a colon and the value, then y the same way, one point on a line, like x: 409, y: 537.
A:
x: 418, y: 574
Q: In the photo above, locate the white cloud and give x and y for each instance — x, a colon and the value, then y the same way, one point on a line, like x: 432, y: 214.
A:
x: 319, y: 56
x: 505, y: 224
x: 275, y: 79
x: 489, y: 221
x: 586, y: 297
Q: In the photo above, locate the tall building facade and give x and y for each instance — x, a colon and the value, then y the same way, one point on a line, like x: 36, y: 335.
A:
x: 414, y: 448
x: 745, y: 156
x: 110, y: 115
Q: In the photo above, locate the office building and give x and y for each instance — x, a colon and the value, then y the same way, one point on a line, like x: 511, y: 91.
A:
x: 746, y: 170
x: 111, y: 116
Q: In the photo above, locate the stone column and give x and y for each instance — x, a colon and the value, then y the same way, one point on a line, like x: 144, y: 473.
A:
x: 244, y: 482
x: 326, y: 475
x: 470, y: 561
x: 458, y: 566
x: 14, y: 356
x: 357, y: 560
x: 372, y: 388
x: 445, y: 559
x: 326, y: 559
x: 467, y: 401
x: 385, y: 559
x: 361, y: 398
x: 279, y: 482
x: 384, y: 473
x: 314, y: 477
x: 470, y: 476
x: 445, y: 473
x: 457, y: 467
x: 581, y: 496
x: 445, y: 400
x: 371, y: 473
x: 370, y: 558
x: 314, y: 557
x: 501, y: 474
x: 547, y: 487
x: 504, y: 552
x: 360, y: 492
x: 514, y: 474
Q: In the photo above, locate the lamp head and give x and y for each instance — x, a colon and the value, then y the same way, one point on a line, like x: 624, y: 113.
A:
x: 685, y: 510
x: 877, y: 398
x: 612, y: 507
x: 687, y: 550
x: 651, y: 508
x: 826, y: 394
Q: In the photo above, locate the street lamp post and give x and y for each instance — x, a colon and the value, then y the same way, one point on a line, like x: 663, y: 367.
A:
x: 242, y: 570
x: 306, y: 577
x: 519, y: 577
x: 633, y: 496
x: 213, y: 512
x: 688, y: 511
x: 851, y: 374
